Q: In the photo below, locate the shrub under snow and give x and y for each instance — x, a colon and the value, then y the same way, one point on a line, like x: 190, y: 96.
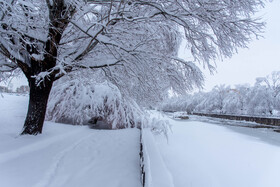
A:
x: 84, y: 102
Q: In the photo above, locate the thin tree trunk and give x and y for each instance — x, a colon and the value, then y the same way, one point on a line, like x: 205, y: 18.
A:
x: 38, y: 99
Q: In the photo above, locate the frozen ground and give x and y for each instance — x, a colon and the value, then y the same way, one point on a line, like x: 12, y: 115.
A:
x: 64, y: 155
x: 201, y: 154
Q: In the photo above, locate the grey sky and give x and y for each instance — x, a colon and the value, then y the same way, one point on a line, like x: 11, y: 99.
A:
x: 260, y: 59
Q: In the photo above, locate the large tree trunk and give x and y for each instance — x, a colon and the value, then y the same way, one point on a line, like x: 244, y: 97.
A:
x: 38, y: 99
x: 59, y: 15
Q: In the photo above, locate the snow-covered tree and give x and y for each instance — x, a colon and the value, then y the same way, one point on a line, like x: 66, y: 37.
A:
x: 243, y: 91
x: 233, y: 102
x: 260, y: 102
x: 257, y: 100
x: 271, y: 81
x: 134, y: 42
x: 218, y: 97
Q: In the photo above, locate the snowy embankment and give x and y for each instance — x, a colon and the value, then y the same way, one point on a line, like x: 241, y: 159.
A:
x: 64, y: 155
x: 200, y: 154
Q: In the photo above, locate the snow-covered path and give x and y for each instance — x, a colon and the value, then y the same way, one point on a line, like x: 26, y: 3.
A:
x: 200, y: 154
x: 65, y: 155
x: 79, y: 157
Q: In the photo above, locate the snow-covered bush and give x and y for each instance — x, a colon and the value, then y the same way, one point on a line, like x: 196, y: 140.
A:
x: 85, y: 102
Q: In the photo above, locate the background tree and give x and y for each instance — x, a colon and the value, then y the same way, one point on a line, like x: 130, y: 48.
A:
x: 257, y: 100
x: 271, y: 81
x: 134, y: 42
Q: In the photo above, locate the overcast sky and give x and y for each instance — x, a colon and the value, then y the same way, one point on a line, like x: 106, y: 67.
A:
x: 260, y: 59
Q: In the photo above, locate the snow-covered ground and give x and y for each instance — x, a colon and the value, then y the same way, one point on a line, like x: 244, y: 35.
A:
x: 64, y: 155
x: 196, y: 154
x: 201, y: 154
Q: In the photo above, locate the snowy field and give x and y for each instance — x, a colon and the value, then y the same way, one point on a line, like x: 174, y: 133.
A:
x: 64, y: 155
x: 196, y: 154
x: 201, y: 154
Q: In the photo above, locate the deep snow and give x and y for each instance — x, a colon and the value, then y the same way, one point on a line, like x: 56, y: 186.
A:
x: 64, y: 155
x: 201, y: 154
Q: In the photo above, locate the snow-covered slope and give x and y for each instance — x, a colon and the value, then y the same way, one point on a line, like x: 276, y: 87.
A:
x: 64, y: 155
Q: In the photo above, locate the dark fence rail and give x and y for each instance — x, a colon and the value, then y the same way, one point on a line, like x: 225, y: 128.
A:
x: 142, y: 165
x: 261, y: 120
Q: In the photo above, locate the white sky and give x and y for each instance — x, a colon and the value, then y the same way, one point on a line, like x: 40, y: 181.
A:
x: 260, y: 59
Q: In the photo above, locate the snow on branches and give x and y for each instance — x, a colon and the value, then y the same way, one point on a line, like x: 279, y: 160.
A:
x: 80, y: 102
x: 262, y: 99
x: 98, y: 34
x: 134, y: 42
x: 83, y: 101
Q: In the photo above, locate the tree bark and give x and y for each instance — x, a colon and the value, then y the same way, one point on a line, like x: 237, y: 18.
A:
x: 60, y: 14
x: 38, y: 99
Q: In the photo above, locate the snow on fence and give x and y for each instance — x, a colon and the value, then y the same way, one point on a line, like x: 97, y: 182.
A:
x: 261, y: 120
x: 154, y: 172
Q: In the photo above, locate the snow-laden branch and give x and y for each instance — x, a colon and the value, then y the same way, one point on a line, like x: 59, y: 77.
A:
x: 135, y: 43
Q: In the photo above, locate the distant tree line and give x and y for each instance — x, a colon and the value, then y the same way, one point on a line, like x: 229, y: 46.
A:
x: 4, y: 89
x: 23, y: 89
x: 262, y: 99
